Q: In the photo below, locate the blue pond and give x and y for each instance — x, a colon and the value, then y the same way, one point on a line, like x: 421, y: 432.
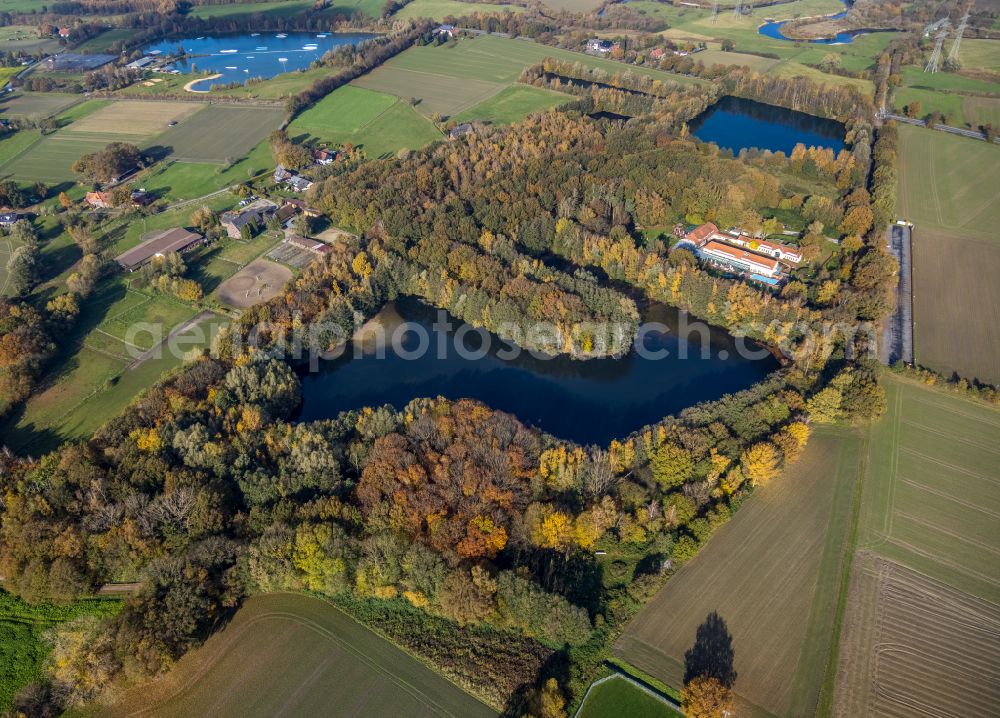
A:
x: 238, y: 57
x: 588, y: 401
x: 773, y: 29
x: 736, y: 124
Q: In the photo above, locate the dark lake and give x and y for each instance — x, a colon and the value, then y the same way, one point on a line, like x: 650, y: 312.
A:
x: 238, y: 57
x: 587, y: 401
x: 736, y: 124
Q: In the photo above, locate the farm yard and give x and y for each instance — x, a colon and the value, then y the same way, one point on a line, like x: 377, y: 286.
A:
x: 220, y: 133
x: 257, y: 282
x: 292, y: 654
x: 923, y: 615
x: 772, y: 573
x: 947, y: 189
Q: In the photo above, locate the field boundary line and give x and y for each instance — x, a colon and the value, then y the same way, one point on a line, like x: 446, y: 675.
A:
x: 825, y: 698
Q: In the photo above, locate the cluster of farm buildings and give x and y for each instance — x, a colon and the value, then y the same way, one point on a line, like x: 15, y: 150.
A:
x: 761, y: 260
x: 239, y: 223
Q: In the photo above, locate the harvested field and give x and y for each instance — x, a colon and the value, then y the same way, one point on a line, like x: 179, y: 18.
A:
x: 921, y: 631
x: 948, y: 189
x: 982, y: 110
x: 220, y: 132
x: 257, y: 282
x: 287, y: 654
x: 772, y: 573
x: 952, y: 271
x: 134, y: 118
x: 921, y: 647
x: 35, y: 104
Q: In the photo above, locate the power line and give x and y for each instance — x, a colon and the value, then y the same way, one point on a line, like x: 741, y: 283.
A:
x: 715, y: 11
x: 957, y: 43
x: 738, y: 10
x: 935, y: 62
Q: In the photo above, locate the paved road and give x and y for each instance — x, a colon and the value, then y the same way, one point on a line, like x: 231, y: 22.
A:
x: 974, y: 134
x: 897, y: 330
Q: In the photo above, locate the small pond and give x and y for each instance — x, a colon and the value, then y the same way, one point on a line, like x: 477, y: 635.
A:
x: 773, y: 29
x: 736, y: 124
x: 238, y: 57
x: 588, y: 401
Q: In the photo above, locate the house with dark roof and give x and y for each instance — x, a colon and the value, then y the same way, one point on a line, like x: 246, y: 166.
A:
x: 8, y: 219
x: 460, y: 131
x: 254, y: 216
x: 299, y: 183
x: 177, y: 239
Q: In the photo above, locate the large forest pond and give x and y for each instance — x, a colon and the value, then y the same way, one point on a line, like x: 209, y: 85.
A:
x: 588, y: 401
x: 238, y: 57
x: 736, y: 124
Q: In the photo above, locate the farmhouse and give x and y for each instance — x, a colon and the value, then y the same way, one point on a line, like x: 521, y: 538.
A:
x: 177, y: 239
x: 324, y: 156
x: 460, y: 131
x: 252, y: 216
x: 300, y: 205
x: 98, y: 200
x: 602, y: 46
x: 445, y: 30
x: 7, y: 219
x: 299, y: 183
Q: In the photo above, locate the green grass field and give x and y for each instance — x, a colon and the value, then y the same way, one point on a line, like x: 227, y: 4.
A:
x: 513, y: 104
x: 980, y: 54
x: 31, y: 105
x: 618, y: 697
x: 449, y: 80
x: 962, y: 100
x: 921, y: 624
x: 220, y: 133
x: 176, y: 180
x: 947, y: 189
x: 284, y: 8
x: 286, y: 654
x: 104, y: 41
x: 49, y: 158
x: 23, y: 626
x: 24, y: 37
x: 773, y: 574
x: 379, y: 123
x: 440, y: 9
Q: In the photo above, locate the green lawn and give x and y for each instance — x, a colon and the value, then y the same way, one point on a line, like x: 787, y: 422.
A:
x: 23, y: 626
x: 513, y: 104
x: 297, y: 655
x: 346, y: 109
x: 619, y: 697
x: 440, y: 9
x: 379, y: 123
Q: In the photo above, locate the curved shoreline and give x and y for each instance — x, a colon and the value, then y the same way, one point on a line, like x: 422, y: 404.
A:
x: 189, y: 86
